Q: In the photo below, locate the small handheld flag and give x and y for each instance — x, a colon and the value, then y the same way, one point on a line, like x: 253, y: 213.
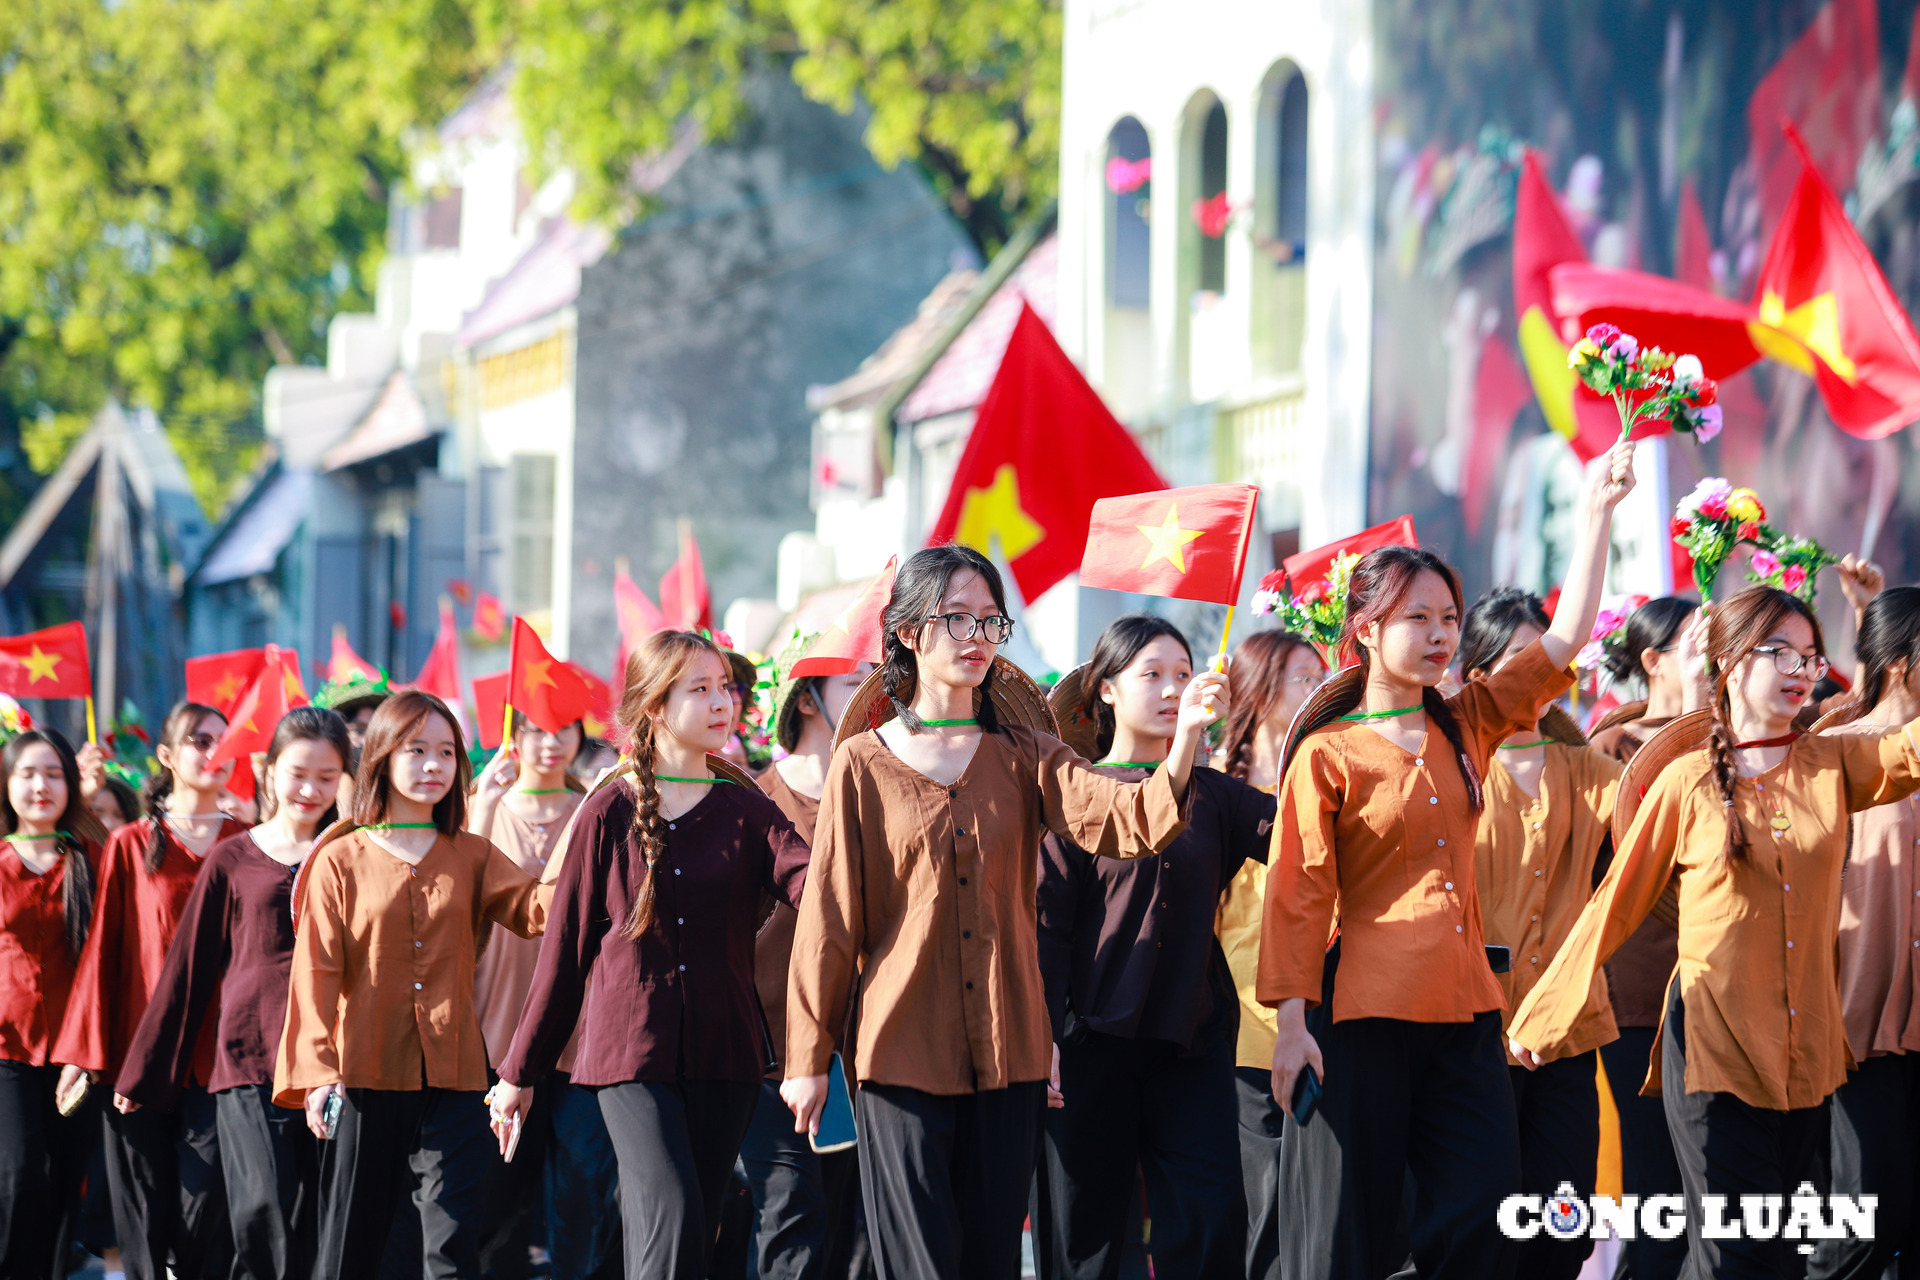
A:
x: 548, y: 692
x: 856, y: 636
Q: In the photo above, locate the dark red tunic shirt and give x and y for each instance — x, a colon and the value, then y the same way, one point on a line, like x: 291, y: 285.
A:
x: 36, y: 965
x: 135, y: 912
x: 233, y: 947
x: 678, y: 1002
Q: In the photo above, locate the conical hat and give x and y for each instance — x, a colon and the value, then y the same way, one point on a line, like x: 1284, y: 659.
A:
x: 1845, y: 713
x: 1683, y: 735
x: 1342, y: 691
x: 1560, y: 726
x: 1625, y: 713
x: 1068, y: 700
x: 1016, y: 700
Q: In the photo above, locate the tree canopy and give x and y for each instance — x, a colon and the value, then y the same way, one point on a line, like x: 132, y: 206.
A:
x: 190, y: 189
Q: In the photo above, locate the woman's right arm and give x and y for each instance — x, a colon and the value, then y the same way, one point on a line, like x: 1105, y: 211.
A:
x: 1641, y: 868
x: 309, y: 1052
x: 160, y: 1059
x: 1303, y: 884
x: 827, y: 943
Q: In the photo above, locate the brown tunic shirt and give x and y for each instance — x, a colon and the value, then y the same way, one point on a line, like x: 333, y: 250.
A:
x: 927, y: 893
x: 773, y: 945
x: 1879, y: 928
x: 381, y: 995
x: 1386, y: 836
x: 505, y: 969
x: 1639, y: 971
x: 1758, y: 938
x: 1534, y: 862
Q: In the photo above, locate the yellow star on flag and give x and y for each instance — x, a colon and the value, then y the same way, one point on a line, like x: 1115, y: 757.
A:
x: 539, y: 672
x: 995, y: 512
x: 1813, y: 326
x: 1168, y: 539
x: 228, y: 686
x: 40, y: 665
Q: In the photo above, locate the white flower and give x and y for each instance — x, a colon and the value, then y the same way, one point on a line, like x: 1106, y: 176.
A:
x: 1687, y: 371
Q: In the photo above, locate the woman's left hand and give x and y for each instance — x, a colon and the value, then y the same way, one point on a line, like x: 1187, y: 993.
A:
x: 92, y: 760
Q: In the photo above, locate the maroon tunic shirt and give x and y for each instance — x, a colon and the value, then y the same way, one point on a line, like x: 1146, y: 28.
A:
x: 1127, y: 948
x: 36, y: 965
x: 234, y: 944
x: 679, y: 1001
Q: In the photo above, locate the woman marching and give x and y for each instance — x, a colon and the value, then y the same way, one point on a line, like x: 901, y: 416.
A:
x: 1542, y: 847
x: 1752, y: 829
x: 163, y: 1167
x: 929, y: 844
x: 46, y: 908
x: 1650, y: 659
x: 522, y: 803
x: 234, y: 947
x: 382, y: 1045
x: 1142, y: 1006
x: 1272, y: 676
x: 1378, y: 810
x: 1875, y: 1144
x: 657, y: 900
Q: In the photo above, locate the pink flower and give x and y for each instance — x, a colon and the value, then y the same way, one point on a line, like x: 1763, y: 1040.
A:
x: 1766, y: 564
x: 1624, y: 348
x: 1125, y: 176
x: 1707, y: 424
x: 1793, y: 577
x: 1603, y: 335
x: 1605, y: 623
x: 1592, y: 656
x: 1714, y: 507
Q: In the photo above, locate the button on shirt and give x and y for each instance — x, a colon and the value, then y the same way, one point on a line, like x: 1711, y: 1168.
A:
x: 1763, y: 1019
x: 678, y: 1003
x: 36, y: 965
x: 1534, y: 862
x: 1380, y: 832
x: 897, y: 890
x: 366, y: 1007
x: 1127, y: 945
x: 1879, y: 927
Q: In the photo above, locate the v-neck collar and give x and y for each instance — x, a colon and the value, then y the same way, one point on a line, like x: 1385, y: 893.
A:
x: 1426, y: 736
x: 931, y: 781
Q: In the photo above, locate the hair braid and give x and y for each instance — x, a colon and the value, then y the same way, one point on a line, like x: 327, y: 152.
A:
x: 1439, y: 713
x: 648, y: 835
x: 1720, y: 752
x: 76, y: 892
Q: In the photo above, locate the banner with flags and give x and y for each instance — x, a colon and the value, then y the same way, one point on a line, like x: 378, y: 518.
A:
x: 856, y: 636
x: 51, y: 663
x: 1044, y: 448
x: 1190, y: 544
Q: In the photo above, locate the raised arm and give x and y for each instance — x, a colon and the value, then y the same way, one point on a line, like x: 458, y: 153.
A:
x: 1106, y: 816
x: 1880, y: 769
x: 1609, y: 479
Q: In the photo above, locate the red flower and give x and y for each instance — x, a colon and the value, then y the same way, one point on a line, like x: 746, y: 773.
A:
x: 1315, y: 593
x: 1749, y: 532
x: 1682, y: 526
x: 1706, y: 392
x: 1714, y: 508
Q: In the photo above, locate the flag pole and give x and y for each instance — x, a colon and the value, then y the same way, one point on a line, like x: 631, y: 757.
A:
x: 93, y: 735
x: 506, y: 703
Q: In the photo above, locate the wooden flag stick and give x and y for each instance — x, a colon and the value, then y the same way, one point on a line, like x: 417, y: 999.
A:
x: 93, y: 735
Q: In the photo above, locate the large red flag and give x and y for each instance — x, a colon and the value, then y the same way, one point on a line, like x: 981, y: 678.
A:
x: 636, y: 615
x: 856, y: 636
x: 683, y: 587
x: 51, y: 663
x: 440, y: 673
x: 1187, y: 543
x: 1305, y: 568
x: 1044, y: 448
x: 220, y: 680
x: 545, y: 690
x: 490, y: 705
x: 250, y: 727
x: 1827, y: 80
x: 1500, y: 391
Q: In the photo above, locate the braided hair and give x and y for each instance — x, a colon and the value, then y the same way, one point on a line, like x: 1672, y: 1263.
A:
x: 918, y: 588
x: 1734, y: 630
x: 182, y: 721
x: 652, y: 671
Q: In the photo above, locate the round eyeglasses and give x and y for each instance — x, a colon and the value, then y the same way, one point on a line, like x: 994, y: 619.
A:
x: 964, y: 627
x: 1791, y: 662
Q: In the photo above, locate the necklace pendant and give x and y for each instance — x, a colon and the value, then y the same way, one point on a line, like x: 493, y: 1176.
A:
x: 1780, y: 822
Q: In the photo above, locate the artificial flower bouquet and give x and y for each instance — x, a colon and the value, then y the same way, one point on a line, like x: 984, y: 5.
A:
x: 1319, y: 612
x: 1716, y: 518
x: 1647, y: 384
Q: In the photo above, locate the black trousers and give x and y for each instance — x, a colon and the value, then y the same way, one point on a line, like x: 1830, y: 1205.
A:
x: 946, y: 1178
x: 169, y: 1194
x: 582, y: 1185
x: 43, y: 1160
x: 1875, y: 1148
x: 1558, y: 1107
x: 1426, y: 1099
x: 789, y: 1192
x: 1143, y: 1105
x: 1261, y: 1126
x: 1647, y: 1164
x: 428, y: 1145
x: 272, y: 1174
x: 1731, y: 1148
x: 848, y: 1255
x: 676, y: 1144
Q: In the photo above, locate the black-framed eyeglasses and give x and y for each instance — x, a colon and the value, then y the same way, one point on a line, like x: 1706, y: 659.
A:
x: 202, y: 742
x: 1791, y: 662
x: 964, y: 627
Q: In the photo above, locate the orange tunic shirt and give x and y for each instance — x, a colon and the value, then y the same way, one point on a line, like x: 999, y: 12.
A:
x: 381, y: 995
x: 1386, y: 836
x: 1879, y: 926
x: 927, y: 893
x: 1758, y: 939
x: 1534, y: 865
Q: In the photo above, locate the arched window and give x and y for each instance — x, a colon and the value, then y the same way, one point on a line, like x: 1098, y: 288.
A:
x: 1210, y: 209
x: 1280, y: 222
x: 1206, y: 341
x: 1127, y: 181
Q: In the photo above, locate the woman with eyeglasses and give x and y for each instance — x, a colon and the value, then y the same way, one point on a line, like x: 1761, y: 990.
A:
x: 163, y: 1167
x: 1272, y: 676
x: 923, y: 888
x: 1751, y: 829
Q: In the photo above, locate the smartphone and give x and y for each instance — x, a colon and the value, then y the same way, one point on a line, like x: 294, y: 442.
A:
x: 330, y: 1114
x: 513, y: 1140
x: 1306, y: 1096
x: 837, y: 1129
x: 1499, y: 959
x: 69, y: 1102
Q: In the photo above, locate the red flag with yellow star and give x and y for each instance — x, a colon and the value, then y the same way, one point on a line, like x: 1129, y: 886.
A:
x: 545, y: 690
x: 343, y: 664
x: 221, y: 680
x: 46, y: 664
x: 1304, y: 568
x: 1187, y: 543
x: 490, y: 707
x: 251, y: 724
x: 439, y: 675
x: 856, y: 635
x: 1043, y: 450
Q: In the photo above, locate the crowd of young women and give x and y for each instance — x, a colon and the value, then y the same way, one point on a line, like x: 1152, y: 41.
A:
x: 466, y: 1026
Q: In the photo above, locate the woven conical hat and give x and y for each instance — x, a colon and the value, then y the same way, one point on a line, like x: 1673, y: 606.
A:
x: 1068, y: 700
x: 1683, y: 735
x: 1560, y: 726
x: 1625, y: 713
x: 1342, y: 690
x: 1016, y: 700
